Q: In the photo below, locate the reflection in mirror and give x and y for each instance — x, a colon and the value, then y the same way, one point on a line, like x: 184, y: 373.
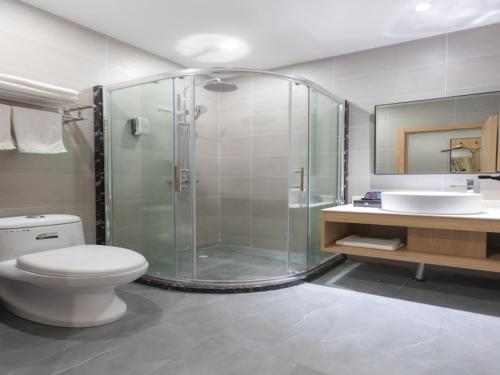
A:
x: 449, y: 135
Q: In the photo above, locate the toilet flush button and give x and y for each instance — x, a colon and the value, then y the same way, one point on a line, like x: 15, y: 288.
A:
x: 47, y: 236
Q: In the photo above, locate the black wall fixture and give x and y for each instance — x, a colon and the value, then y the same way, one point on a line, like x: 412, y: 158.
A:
x: 99, y: 162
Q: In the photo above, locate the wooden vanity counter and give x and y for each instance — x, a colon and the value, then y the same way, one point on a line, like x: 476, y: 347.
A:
x: 462, y: 241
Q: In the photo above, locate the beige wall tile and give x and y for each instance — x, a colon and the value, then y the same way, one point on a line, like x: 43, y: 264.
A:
x: 474, y: 75
x: 207, y: 187
x: 235, y: 207
x: 269, y: 209
x: 32, y: 190
x: 35, y: 24
x: 235, y: 187
x: 271, y: 122
x: 236, y: 226
x: 34, y: 60
x: 40, y: 46
x: 429, y: 51
x: 275, y: 229
x: 270, y: 144
x: 235, y: 124
x: 238, y: 147
x: 207, y: 206
x: 235, y: 167
x: 270, y: 166
x: 482, y: 41
x: 270, y: 187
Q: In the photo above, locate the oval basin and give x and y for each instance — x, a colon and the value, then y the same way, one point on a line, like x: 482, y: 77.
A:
x: 434, y: 203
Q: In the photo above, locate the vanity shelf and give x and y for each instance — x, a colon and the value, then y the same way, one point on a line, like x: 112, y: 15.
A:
x: 460, y: 241
x: 491, y: 263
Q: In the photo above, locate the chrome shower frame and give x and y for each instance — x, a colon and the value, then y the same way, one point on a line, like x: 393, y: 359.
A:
x: 225, y: 286
x: 210, y: 71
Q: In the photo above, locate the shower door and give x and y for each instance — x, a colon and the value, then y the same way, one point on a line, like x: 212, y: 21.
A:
x: 219, y: 178
x: 298, y: 199
x: 326, y: 122
x: 314, y: 175
x: 184, y: 181
x: 141, y: 172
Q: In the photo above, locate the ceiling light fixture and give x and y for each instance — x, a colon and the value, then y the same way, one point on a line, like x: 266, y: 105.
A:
x: 422, y: 7
x: 212, y: 48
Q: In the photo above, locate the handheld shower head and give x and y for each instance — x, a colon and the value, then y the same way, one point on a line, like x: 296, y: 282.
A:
x: 199, y: 110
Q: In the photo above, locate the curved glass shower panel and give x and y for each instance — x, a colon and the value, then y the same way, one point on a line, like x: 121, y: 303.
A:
x: 326, y: 124
x: 298, y: 199
x: 141, y: 158
x: 241, y: 158
x: 184, y: 185
x: 218, y: 176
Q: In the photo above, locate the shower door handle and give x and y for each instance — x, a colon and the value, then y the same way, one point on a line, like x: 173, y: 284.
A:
x: 302, y: 182
x: 177, y: 179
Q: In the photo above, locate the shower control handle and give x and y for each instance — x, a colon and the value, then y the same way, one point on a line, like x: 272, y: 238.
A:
x: 302, y: 175
x: 182, y: 178
x: 177, y: 173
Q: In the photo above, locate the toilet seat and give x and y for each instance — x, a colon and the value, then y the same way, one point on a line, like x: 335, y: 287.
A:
x: 82, y: 261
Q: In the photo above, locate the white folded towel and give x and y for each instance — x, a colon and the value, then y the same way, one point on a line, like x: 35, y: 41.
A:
x: 370, y: 243
x: 38, y: 132
x: 6, y: 142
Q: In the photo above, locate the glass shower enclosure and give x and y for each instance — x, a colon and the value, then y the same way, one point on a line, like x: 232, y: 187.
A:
x: 218, y: 176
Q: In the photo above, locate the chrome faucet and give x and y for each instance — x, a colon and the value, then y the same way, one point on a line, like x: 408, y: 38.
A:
x: 470, y: 186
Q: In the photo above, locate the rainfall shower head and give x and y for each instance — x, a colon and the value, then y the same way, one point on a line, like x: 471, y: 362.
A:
x: 217, y: 85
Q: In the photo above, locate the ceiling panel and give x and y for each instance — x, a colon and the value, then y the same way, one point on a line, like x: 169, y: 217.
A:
x: 269, y: 33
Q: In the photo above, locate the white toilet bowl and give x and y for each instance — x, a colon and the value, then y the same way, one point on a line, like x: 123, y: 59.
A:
x: 49, y: 276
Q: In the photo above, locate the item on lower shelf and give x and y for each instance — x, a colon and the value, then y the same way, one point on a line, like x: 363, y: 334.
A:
x: 370, y: 243
x: 376, y: 203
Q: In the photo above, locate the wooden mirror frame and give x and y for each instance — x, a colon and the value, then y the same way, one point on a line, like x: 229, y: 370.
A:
x: 489, y: 134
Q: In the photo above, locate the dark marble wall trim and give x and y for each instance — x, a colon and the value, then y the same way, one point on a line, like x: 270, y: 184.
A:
x: 346, y: 152
x: 100, y: 194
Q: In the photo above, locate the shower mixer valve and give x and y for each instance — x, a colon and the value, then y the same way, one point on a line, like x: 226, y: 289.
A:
x: 182, y: 179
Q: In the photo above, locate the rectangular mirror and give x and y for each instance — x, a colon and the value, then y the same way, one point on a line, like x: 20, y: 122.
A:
x: 448, y: 135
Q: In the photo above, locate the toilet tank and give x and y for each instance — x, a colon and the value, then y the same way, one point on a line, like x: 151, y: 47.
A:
x: 22, y: 235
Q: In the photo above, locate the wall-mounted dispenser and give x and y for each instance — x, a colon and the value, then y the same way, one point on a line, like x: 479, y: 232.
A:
x: 139, y: 126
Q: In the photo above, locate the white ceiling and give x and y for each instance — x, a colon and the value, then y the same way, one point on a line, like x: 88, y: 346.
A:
x: 269, y: 33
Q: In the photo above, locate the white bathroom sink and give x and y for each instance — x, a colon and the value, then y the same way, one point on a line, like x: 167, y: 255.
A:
x: 434, y: 203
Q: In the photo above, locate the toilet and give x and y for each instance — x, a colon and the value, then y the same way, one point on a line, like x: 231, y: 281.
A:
x: 48, y: 274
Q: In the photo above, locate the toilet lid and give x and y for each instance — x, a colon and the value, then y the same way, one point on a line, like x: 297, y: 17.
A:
x: 84, y: 260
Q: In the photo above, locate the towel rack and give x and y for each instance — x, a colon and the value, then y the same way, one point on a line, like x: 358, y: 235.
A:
x: 68, y: 117
x: 67, y: 111
x: 38, y: 95
x: 64, y: 107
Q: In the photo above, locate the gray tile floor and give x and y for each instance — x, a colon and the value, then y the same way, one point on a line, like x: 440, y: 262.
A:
x: 231, y: 262
x: 224, y: 261
x: 358, y: 319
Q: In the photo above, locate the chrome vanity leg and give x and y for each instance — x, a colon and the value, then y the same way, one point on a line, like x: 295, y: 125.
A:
x: 420, y: 274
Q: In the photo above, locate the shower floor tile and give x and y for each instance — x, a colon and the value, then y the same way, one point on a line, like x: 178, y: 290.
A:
x: 360, y: 318
x: 232, y: 262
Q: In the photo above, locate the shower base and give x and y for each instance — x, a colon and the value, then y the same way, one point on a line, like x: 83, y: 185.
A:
x: 227, y: 268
